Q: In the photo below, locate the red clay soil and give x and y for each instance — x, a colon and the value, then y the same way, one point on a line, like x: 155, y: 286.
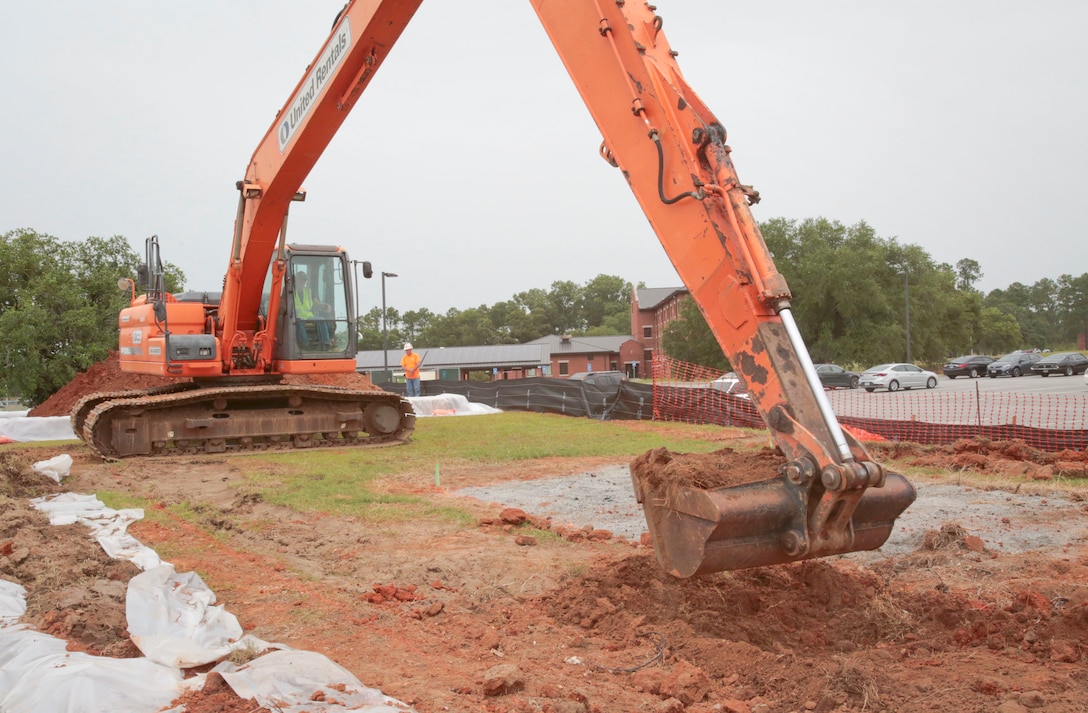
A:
x: 517, y: 615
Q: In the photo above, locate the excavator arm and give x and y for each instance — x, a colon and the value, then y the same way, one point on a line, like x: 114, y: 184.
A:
x: 672, y: 152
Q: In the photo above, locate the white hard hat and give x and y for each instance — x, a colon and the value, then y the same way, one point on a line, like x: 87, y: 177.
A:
x: 407, y: 346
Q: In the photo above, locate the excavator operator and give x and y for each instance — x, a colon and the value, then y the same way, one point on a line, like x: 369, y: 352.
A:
x: 307, y: 311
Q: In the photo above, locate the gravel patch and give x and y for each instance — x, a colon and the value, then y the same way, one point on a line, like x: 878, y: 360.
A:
x: 1006, y: 522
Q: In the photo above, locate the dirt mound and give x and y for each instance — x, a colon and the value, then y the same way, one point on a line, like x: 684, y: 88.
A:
x: 106, y: 375
x: 981, y: 455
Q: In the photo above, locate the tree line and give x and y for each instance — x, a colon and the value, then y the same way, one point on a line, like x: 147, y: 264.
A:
x: 59, y: 303
x: 598, y: 307
x: 850, y: 298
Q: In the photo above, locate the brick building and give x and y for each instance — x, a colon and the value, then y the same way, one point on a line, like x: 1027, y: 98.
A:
x: 551, y: 355
x: 651, y: 309
x: 571, y: 355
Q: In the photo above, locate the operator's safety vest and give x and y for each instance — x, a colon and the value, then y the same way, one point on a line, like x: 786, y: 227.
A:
x: 304, y: 304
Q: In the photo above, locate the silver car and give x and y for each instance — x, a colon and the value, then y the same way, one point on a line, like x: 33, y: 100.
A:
x: 897, y: 376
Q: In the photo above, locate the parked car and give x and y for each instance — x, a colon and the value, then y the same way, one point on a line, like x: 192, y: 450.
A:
x: 602, y: 379
x: 730, y: 383
x: 1067, y: 363
x: 897, y: 376
x: 1014, y: 364
x: 600, y: 390
x: 832, y: 376
x: 972, y: 365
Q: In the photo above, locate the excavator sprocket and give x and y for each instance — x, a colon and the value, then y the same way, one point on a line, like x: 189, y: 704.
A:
x: 226, y: 419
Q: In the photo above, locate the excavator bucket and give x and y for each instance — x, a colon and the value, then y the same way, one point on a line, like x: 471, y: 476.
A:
x: 697, y: 530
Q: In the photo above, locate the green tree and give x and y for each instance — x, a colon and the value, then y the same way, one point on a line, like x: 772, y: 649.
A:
x: 847, y: 298
x: 688, y: 338
x: 565, y: 299
x: 414, y: 324
x: 968, y: 272
x: 999, y: 332
x: 370, y: 330
x: 606, y: 302
x: 461, y: 328
x: 1032, y: 308
x: 1073, y: 306
x: 850, y: 289
x: 58, y: 307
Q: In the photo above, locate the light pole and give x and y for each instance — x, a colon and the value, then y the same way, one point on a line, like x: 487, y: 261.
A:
x: 906, y: 293
x: 385, y: 329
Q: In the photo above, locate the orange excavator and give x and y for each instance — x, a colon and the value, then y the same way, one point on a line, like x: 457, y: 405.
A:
x: 233, y: 355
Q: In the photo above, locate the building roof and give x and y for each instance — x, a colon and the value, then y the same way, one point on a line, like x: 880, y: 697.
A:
x: 498, y: 355
x: 583, y: 345
x: 651, y: 297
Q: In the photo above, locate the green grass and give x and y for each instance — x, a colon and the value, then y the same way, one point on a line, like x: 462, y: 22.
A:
x: 346, y: 482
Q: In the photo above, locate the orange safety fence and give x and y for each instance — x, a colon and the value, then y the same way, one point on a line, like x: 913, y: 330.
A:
x: 1052, y: 422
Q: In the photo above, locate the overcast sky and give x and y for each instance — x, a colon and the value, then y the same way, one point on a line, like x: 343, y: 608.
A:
x: 470, y: 166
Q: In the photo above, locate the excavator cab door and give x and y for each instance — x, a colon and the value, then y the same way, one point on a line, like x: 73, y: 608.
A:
x: 316, y: 319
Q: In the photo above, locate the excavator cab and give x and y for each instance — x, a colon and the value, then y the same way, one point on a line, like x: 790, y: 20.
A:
x: 317, y: 319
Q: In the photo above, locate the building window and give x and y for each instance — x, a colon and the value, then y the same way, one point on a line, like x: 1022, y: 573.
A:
x: 564, y: 368
x: 647, y: 331
x: 589, y: 359
x: 648, y: 356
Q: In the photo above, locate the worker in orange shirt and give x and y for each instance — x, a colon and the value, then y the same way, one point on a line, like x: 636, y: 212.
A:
x: 411, y: 362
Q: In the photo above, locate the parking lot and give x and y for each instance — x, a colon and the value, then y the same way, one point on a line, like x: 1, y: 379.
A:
x: 1055, y: 402
x: 1023, y: 384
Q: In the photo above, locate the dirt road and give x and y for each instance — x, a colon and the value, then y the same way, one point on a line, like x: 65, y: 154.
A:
x: 508, y: 617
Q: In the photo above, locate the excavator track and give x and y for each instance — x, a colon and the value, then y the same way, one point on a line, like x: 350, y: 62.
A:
x: 187, y: 419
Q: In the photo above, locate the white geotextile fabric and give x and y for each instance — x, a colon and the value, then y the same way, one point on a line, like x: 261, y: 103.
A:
x: 448, y: 405
x: 288, y: 680
x: 107, y: 525
x: 17, y: 426
x: 38, y: 673
x: 55, y: 468
x: 174, y: 621
x: 173, y: 618
x: 12, y: 602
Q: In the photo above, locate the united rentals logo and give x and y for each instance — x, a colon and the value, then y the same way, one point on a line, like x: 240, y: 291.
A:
x: 314, y: 83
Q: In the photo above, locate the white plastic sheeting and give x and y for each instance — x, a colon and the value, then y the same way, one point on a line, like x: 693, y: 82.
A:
x: 449, y: 405
x: 55, y: 468
x: 173, y: 618
x: 290, y: 680
x: 108, y: 526
x: 17, y: 426
x: 38, y: 673
x: 175, y: 622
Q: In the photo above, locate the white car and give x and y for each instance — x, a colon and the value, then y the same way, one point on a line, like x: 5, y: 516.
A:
x: 1086, y: 378
x: 730, y: 383
x: 896, y: 376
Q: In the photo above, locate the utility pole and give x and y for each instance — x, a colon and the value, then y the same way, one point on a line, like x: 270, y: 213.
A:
x: 385, y: 327
x: 906, y: 311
